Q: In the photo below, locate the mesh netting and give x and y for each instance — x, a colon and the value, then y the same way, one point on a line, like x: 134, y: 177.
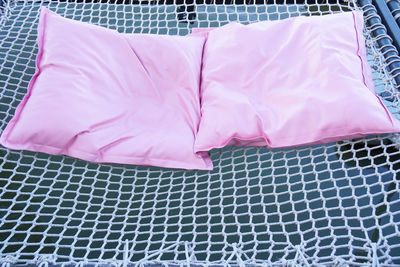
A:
x: 334, y: 204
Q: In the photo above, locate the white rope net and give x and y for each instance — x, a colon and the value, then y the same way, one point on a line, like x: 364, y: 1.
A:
x: 332, y: 205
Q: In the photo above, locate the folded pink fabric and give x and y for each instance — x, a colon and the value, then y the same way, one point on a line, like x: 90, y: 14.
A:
x: 103, y: 96
x: 286, y: 83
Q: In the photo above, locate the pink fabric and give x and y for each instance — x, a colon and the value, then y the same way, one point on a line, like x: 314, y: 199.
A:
x: 201, y: 32
x: 286, y: 83
x: 103, y: 96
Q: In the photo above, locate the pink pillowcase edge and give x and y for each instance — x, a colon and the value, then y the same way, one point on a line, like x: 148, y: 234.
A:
x: 10, y: 126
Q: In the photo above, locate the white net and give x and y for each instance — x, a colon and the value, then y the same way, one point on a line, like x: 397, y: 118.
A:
x: 336, y: 204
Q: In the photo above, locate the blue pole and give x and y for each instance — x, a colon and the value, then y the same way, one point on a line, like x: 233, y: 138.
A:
x: 384, y: 42
x: 394, y: 6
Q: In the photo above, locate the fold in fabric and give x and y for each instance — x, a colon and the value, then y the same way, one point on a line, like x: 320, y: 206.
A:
x: 103, y: 96
x: 298, y: 81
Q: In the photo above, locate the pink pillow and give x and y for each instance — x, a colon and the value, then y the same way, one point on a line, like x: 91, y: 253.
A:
x: 286, y: 83
x: 103, y: 96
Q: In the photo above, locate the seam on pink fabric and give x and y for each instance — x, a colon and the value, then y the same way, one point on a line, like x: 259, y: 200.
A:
x: 40, y: 40
x: 200, y: 81
x: 79, y: 154
x: 307, y: 143
x: 358, y: 48
x: 388, y: 113
x: 357, y: 32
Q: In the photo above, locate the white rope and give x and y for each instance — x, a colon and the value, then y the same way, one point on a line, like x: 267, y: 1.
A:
x: 190, y: 256
x: 375, y: 260
x: 300, y: 256
x: 126, y: 253
x: 236, y: 252
x: 374, y: 252
x: 157, y: 254
x: 187, y: 254
x: 7, y: 261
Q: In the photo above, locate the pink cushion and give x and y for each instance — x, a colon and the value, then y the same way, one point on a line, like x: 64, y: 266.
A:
x: 103, y: 96
x: 286, y: 83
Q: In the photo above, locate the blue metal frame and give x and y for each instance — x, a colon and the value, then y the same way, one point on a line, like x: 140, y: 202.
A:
x: 390, y: 53
x: 394, y: 6
x: 388, y: 20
